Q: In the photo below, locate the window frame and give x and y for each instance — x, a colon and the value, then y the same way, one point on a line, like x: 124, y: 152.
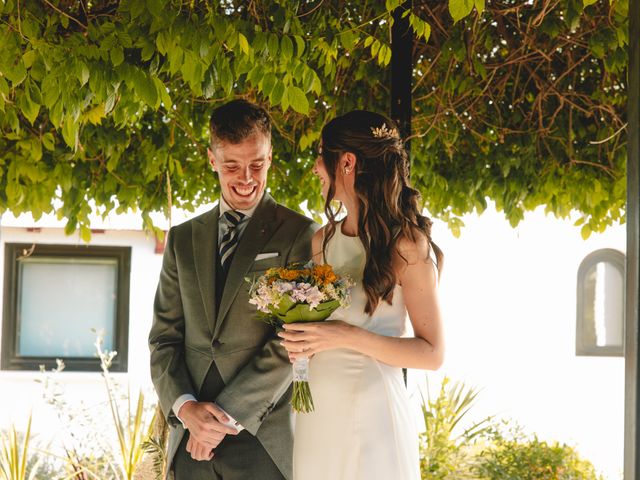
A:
x: 618, y: 260
x: 9, y: 360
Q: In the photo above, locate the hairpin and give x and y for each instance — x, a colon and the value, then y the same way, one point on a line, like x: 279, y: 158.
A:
x: 384, y: 132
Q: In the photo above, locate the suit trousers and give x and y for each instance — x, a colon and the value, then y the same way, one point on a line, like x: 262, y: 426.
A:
x: 238, y: 457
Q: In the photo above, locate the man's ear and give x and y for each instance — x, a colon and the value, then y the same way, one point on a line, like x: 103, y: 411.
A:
x: 212, y: 159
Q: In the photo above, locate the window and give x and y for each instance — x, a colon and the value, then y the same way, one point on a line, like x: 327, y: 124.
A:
x: 56, y: 297
x: 600, y: 308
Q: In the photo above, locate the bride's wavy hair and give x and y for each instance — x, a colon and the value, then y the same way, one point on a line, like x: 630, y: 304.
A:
x: 388, y: 205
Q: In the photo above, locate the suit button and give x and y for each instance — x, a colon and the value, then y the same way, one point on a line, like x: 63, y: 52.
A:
x: 216, y: 344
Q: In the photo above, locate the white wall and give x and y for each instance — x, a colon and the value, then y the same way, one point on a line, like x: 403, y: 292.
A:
x: 509, y: 300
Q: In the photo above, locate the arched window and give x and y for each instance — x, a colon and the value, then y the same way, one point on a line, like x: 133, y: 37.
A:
x: 600, y: 308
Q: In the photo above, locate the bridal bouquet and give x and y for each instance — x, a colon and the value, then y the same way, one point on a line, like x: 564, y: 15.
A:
x: 299, y: 293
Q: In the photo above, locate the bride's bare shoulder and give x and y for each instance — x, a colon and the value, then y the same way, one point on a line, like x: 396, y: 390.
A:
x: 412, y: 250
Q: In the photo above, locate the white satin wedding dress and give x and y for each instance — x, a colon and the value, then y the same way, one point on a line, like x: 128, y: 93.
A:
x: 362, y: 427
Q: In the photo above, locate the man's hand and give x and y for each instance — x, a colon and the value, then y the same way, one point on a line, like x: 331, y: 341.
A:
x: 205, y: 422
x: 198, y: 451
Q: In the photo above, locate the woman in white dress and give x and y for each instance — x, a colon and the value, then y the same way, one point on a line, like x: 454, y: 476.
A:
x: 362, y: 426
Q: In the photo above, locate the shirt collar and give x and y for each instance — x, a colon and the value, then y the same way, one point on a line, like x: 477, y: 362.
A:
x: 225, y: 207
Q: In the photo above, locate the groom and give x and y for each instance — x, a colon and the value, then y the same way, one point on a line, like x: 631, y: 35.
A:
x: 222, y: 378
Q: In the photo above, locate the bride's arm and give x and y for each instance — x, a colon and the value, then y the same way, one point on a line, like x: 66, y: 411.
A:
x: 425, y: 350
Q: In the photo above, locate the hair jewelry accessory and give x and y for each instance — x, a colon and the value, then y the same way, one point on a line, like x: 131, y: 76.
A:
x: 384, y: 132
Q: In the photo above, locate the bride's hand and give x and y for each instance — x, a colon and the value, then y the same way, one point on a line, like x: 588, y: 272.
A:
x: 305, y: 339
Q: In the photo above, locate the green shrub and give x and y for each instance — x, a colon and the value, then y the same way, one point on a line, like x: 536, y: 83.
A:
x: 488, y: 450
x: 516, y: 457
x: 446, y: 447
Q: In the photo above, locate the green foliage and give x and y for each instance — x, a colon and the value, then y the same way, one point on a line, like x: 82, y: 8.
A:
x: 519, y: 457
x: 134, y: 430
x: 446, y: 445
x: 452, y: 448
x: 14, y: 457
x: 104, y: 105
x: 523, y: 105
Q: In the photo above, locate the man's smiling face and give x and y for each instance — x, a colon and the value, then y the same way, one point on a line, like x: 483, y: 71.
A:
x: 242, y: 170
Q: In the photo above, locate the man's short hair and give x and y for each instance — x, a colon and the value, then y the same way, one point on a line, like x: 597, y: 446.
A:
x: 237, y: 120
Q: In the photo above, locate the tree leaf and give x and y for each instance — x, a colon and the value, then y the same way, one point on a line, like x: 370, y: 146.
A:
x: 244, y: 43
x: 460, y: 9
x: 298, y: 100
x: 145, y: 89
x: 29, y: 108
x: 48, y: 141
x: 117, y: 56
x: 95, y: 115
x: 16, y: 73
x: 268, y: 82
x: 277, y: 93
x: 586, y: 3
x: 300, y: 44
x: 286, y: 47
x: 70, y: 132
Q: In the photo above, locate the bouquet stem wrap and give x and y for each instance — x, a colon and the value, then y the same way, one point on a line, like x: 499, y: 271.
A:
x: 301, y: 399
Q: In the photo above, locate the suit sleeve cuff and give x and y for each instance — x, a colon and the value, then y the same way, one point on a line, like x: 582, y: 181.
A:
x: 232, y: 421
x: 177, y: 405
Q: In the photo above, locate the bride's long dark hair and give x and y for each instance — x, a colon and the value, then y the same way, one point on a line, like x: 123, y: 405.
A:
x: 388, y: 205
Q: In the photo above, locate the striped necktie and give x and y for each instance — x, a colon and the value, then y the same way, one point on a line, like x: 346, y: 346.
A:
x: 230, y: 239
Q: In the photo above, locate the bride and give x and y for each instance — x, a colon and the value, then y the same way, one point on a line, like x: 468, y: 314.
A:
x: 362, y: 427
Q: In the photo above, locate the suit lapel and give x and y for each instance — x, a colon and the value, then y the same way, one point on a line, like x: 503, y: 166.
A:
x: 205, y: 246
x: 259, y: 230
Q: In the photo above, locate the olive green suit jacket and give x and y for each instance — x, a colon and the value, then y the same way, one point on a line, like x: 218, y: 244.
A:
x: 190, y: 332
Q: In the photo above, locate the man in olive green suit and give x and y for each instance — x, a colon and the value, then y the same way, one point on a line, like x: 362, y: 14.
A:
x: 222, y: 378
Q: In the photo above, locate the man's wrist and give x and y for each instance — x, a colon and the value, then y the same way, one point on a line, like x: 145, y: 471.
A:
x: 179, y: 403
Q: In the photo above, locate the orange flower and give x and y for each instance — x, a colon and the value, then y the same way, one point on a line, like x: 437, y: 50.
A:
x: 291, y: 275
x: 323, y: 274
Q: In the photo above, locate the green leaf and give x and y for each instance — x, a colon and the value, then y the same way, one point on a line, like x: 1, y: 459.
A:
x: 244, y: 43
x: 136, y: 8
x: 273, y: 45
x: 479, y: 4
x: 155, y: 7
x: 226, y: 78
x: 70, y: 132
x: 277, y: 93
x: 117, y: 56
x: 29, y: 108
x: 95, y: 115
x: 29, y: 58
x: 286, y: 47
x: 82, y: 72
x: 165, y: 98
x: 298, y: 100
x: 375, y: 48
x: 16, y: 73
x: 300, y: 44
x: 145, y: 89
x: 48, y: 141
x: 586, y: 3
x: 85, y: 233
x: 4, y: 86
x: 460, y: 9
x: 110, y: 103
x: 267, y: 83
